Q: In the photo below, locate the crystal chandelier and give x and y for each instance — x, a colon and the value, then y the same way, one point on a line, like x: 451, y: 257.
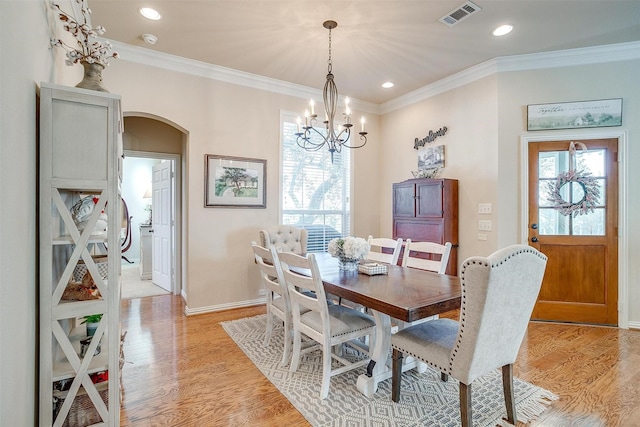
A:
x: 335, y: 141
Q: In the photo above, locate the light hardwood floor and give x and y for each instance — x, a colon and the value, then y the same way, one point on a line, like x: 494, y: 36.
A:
x: 186, y: 371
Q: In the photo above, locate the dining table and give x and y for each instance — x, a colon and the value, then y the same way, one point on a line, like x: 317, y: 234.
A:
x: 403, y: 293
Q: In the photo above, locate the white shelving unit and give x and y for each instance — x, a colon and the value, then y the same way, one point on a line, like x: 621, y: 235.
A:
x: 80, y: 155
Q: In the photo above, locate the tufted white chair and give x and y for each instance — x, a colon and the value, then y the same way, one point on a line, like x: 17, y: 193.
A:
x: 498, y: 295
x: 286, y: 238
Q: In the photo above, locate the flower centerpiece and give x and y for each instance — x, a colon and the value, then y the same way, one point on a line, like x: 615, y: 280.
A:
x: 349, y: 251
x: 91, y: 52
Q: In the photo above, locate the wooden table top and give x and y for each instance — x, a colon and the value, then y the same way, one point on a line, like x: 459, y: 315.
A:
x: 406, y: 294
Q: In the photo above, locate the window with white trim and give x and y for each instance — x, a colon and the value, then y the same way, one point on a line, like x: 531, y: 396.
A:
x: 315, y: 192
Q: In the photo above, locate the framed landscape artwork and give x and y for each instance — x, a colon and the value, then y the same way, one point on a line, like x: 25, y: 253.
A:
x: 235, y: 182
x: 573, y: 115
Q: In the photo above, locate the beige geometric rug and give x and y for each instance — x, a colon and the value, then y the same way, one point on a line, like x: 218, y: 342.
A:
x: 425, y: 400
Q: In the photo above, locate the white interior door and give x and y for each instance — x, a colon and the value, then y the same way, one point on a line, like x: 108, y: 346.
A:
x: 162, y: 223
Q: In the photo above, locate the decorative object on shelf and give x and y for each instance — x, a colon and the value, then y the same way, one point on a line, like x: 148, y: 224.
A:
x: 349, y: 251
x: 101, y: 261
x: 82, y: 210
x: 308, y: 135
x: 85, y: 342
x: 574, y: 192
x: 92, y: 321
x: 91, y: 52
x: 235, y: 182
x: 426, y: 173
x: 81, y: 291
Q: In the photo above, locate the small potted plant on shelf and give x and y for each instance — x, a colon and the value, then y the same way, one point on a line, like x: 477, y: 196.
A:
x: 92, y: 322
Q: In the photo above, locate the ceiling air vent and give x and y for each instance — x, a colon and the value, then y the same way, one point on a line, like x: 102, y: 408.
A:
x: 459, y: 13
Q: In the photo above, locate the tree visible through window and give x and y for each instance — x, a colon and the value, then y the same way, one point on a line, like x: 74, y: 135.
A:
x: 315, y: 192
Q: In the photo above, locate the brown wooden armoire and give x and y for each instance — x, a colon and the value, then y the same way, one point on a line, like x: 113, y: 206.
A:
x: 426, y: 210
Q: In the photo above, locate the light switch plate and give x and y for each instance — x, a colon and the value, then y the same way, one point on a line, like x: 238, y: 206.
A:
x: 482, y: 236
x: 484, y: 225
x: 484, y: 208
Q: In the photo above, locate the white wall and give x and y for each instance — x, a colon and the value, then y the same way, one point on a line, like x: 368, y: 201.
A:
x: 578, y: 83
x: 25, y: 61
x: 487, y: 119
x: 471, y: 143
x: 226, y: 119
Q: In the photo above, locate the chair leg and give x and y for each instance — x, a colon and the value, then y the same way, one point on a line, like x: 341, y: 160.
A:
x: 267, y: 334
x: 396, y: 375
x: 287, y: 343
x: 297, y: 343
x: 326, y: 370
x: 444, y: 377
x: 507, y: 386
x: 465, y: 405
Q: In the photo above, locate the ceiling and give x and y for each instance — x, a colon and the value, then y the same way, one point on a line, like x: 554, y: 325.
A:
x: 376, y: 41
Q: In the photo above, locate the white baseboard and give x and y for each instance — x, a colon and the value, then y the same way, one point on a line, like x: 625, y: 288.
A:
x: 213, y: 308
x: 634, y: 325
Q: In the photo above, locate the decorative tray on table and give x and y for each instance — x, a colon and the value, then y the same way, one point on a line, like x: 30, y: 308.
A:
x: 373, y: 268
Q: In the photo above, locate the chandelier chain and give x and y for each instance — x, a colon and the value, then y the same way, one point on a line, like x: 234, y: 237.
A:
x: 330, y: 65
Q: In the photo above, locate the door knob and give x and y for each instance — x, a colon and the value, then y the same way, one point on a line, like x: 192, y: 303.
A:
x: 534, y: 226
x: 534, y: 239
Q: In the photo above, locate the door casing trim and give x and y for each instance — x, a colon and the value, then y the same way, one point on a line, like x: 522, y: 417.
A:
x: 623, y: 248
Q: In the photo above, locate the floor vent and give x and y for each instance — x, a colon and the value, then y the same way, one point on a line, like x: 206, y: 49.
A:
x: 459, y: 13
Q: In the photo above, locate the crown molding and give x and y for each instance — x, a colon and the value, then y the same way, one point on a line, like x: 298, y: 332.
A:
x: 553, y: 59
x: 180, y: 64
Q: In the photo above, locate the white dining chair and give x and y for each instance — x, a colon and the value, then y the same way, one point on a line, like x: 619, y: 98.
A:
x: 286, y: 238
x: 328, y: 325
x: 498, y: 296
x: 277, y: 296
x: 437, y: 256
x: 378, y: 245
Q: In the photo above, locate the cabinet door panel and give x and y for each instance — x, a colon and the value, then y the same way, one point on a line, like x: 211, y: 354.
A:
x: 404, y: 202
x: 419, y: 231
x: 429, y: 199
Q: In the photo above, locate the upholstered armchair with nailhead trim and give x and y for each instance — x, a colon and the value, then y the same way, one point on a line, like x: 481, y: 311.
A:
x: 498, y: 296
x: 286, y: 238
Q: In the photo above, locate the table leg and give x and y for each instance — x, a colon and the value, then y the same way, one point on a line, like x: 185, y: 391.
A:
x: 378, y: 371
x: 379, y: 368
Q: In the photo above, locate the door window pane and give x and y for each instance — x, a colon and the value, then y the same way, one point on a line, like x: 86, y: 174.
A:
x: 551, y: 221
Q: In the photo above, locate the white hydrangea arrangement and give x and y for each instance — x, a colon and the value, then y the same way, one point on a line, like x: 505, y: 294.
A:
x: 348, y: 248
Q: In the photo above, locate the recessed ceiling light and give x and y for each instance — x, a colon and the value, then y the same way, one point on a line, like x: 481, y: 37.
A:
x: 502, y: 30
x: 387, y: 85
x: 150, y: 13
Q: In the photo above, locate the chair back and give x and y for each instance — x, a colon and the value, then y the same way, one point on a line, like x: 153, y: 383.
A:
x: 270, y: 272
x: 498, y: 296
x: 379, y: 244
x: 286, y: 238
x: 302, y: 287
x: 437, y: 263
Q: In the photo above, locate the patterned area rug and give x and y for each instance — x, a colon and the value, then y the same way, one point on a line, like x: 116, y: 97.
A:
x: 425, y: 400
